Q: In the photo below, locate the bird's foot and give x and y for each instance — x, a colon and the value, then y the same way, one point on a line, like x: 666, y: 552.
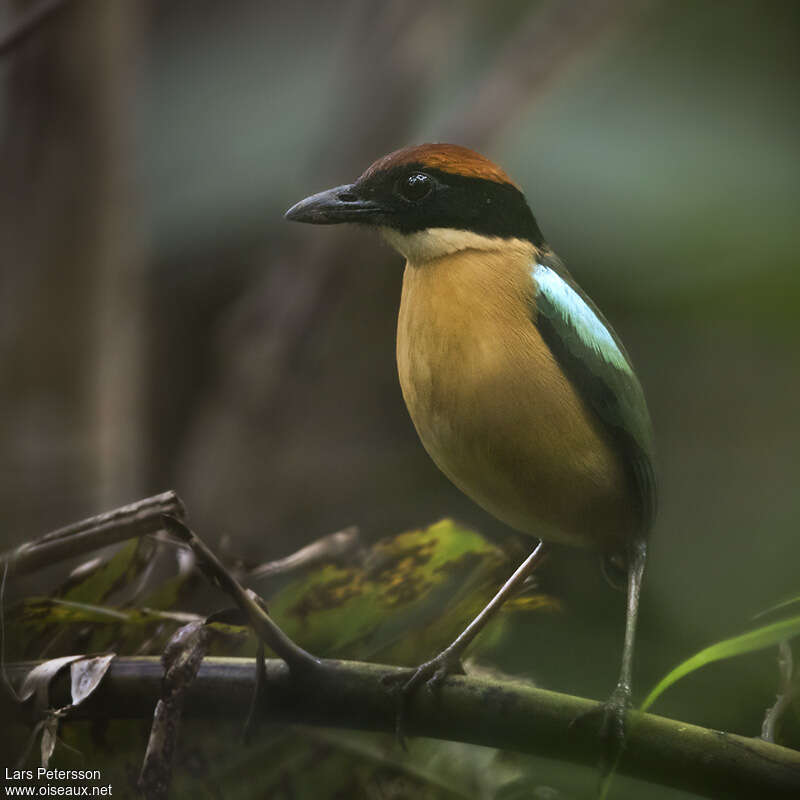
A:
x: 406, y: 683
x: 613, y: 729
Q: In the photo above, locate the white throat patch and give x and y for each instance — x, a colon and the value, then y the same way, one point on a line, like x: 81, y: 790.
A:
x: 433, y: 243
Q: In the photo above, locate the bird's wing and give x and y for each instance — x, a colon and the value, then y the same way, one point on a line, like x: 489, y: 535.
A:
x: 595, y: 361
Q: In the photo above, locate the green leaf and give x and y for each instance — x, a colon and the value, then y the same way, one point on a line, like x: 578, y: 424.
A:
x: 101, y: 581
x: 49, y: 624
x: 408, y: 597
x: 411, y: 597
x: 778, y: 606
x: 757, y: 639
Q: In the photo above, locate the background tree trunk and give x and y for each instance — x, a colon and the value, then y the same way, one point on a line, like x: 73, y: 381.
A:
x: 71, y: 344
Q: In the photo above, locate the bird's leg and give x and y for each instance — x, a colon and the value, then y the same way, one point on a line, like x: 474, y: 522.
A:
x: 612, y: 730
x: 433, y: 672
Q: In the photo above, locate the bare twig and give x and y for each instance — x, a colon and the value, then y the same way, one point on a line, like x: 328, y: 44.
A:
x: 785, y: 696
x: 30, y: 24
x: 137, y: 519
x: 263, y: 625
x: 253, y: 716
x: 331, y: 547
x: 504, y: 714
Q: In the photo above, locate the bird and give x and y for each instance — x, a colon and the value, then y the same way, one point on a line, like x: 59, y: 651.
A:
x: 519, y: 388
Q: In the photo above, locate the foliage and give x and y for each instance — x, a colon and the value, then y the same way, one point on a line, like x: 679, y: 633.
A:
x: 758, y: 639
x: 399, y: 600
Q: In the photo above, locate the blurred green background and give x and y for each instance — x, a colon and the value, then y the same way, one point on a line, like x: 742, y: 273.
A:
x: 162, y: 326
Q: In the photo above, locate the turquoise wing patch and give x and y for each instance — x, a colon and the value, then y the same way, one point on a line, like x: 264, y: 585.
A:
x: 594, y: 360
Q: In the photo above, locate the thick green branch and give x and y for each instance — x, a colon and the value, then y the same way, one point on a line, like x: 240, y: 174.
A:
x: 507, y: 715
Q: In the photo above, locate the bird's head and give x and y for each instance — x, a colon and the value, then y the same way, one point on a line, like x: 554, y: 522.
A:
x: 428, y: 201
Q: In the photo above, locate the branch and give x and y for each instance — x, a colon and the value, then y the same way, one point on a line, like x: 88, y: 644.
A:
x: 43, y: 12
x: 137, y: 519
x: 333, y: 547
x: 475, y: 710
x: 261, y: 622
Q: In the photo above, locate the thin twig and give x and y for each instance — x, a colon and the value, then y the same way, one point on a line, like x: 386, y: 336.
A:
x: 263, y: 625
x: 786, y: 693
x: 253, y: 716
x: 137, y: 519
x: 334, y: 546
x: 29, y: 25
x: 6, y: 681
x: 477, y: 710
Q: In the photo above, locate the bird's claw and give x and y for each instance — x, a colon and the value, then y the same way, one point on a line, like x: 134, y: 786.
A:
x: 432, y: 673
x: 613, y: 729
x: 406, y: 682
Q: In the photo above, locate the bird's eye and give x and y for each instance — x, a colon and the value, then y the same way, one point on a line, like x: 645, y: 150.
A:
x: 415, y: 186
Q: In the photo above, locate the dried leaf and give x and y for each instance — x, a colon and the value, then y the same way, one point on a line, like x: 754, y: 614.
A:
x: 86, y: 675
x: 183, y: 655
x: 49, y: 737
x: 182, y: 658
x: 38, y: 680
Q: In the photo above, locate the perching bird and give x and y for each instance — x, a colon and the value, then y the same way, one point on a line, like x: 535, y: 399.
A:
x: 519, y: 389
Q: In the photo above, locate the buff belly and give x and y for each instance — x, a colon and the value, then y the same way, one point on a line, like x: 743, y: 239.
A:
x: 495, y: 412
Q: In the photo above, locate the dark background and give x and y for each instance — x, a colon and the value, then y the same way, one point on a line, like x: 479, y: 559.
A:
x: 162, y: 326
